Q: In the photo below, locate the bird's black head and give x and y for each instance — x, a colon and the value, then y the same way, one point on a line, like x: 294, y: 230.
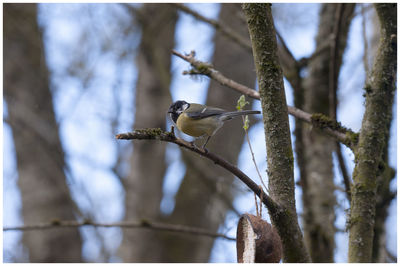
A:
x: 177, y: 108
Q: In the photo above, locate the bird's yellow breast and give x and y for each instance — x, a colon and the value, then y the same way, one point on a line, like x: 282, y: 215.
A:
x: 197, y: 127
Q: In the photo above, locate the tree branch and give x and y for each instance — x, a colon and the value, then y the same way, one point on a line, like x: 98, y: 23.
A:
x: 325, y: 45
x: 286, y: 57
x: 276, y: 129
x: 224, y: 29
x: 343, y: 169
x: 333, y: 87
x: 158, y: 134
x: 126, y: 224
x: 379, y: 94
x: 288, y: 60
x: 332, y: 128
x: 365, y: 39
x: 333, y: 67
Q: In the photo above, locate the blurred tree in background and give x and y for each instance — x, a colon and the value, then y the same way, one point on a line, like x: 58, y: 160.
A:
x: 40, y: 157
x: 77, y: 74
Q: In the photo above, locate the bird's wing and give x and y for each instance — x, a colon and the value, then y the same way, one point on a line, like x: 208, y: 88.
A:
x: 205, y: 112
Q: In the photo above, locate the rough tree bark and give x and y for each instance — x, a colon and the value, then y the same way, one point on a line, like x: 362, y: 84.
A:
x: 206, y: 191
x: 40, y: 158
x: 317, y: 167
x: 276, y: 127
x: 384, y: 193
x: 379, y: 93
x: 144, y: 184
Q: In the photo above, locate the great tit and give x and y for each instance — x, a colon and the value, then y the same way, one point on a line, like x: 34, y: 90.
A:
x: 198, y: 120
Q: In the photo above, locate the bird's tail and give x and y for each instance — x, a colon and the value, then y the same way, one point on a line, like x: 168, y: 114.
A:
x: 230, y: 115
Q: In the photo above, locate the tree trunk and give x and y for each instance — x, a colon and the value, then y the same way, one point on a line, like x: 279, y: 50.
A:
x: 40, y: 159
x: 206, y: 191
x: 276, y: 127
x: 369, y: 154
x: 144, y: 184
x: 317, y: 176
x: 384, y: 194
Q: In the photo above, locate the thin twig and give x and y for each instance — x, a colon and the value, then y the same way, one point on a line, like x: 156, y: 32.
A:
x: 125, y: 224
x: 256, y: 203
x: 203, y: 68
x: 344, y: 171
x: 261, y: 198
x: 284, y: 50
x: 365, y: 40
x: 233, y: 35
x: 259, y: 213
x: 327, y: 125
x: 158, y: 134
x: 224, y: 29
x: 253, y: 157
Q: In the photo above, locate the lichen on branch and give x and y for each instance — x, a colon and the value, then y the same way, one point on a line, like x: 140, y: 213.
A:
x: 159, y: 134
x: 369, y: 152
x: 276, y: 127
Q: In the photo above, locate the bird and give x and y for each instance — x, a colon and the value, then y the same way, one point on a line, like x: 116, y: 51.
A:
x: 198, y: 120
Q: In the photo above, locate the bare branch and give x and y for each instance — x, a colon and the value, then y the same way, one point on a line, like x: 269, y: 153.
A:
x: 329, y: 126
x: 365, y: 39
x: 379, y: 97
x: 343, y: 170
x: 333, y: 67
x: 126, y: 224
x: 325, y: 45
x: 202, y: 68
x: 285, y: 55
x: 253, y: 157
x: 158, y: 134
x: 333, y: 87
x: 224, y: 29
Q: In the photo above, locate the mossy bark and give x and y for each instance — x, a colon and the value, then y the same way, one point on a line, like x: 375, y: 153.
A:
x: 370, y: 149
x: 319, y: 200
x: 276, y: 126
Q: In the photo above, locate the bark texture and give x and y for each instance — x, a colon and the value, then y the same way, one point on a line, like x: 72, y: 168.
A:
x: 276, y: 126
x: 384, y: 194
x: 317, y: 167
x: 144, y: 184
x: 379, y: 93
x: 40, y: 158
x: 206, y: 191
